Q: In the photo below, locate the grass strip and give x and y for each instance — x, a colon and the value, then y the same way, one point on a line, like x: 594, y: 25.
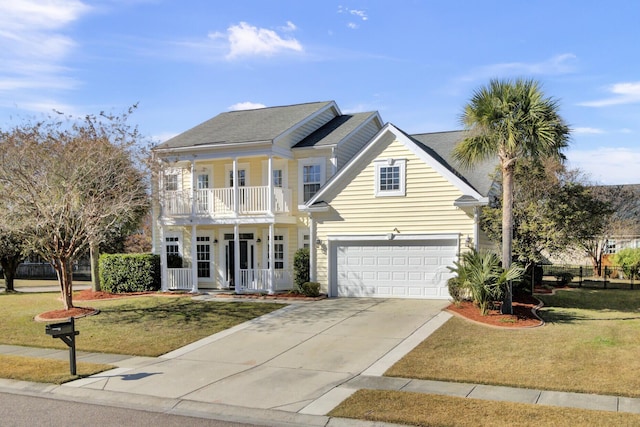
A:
x: 45, y: 370
x: 419, y: 409
x: 141, y: 326
x: 590, y: 344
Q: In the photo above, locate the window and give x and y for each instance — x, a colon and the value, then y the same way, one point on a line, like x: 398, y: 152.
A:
x: 203, y: 249
x: 278, y: 252
x: 172, y: 246
x: 242, y: 180
x: 312, y: 176
x: 390, y: 177
x: 310, y: 181
x: 277, y: 178
x: 171, y: 182
x: 203, y: 181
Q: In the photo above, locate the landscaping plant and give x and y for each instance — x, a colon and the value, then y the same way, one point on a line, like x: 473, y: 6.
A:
x: 481, y: 274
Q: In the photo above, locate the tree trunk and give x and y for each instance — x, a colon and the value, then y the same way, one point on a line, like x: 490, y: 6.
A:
x: 9, y: 268
x: 65, y: 278
x: 507, y: 229
x: 94, y: 252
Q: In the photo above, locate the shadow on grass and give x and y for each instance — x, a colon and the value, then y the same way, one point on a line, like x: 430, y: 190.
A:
x: 180, y: 311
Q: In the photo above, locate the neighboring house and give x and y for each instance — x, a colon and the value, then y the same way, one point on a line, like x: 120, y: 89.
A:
x: 382, y: 212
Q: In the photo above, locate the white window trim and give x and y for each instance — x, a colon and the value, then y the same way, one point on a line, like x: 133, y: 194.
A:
x: 301, y: 240
x: 177, y: 172
x: 277, y: 164
x: 229, y: 167
x: 402, y: 164
x: 205, y: 170
x: 212, y: 253
x: 307, y: 162
x: 178, y: 235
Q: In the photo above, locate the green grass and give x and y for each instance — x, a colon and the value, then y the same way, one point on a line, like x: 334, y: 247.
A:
x: 590, y: 344
x: 143, y: 326
x: 432, y: 410
x: 45, y: 370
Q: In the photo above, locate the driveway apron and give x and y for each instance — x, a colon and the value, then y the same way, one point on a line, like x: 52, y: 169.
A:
x: 284, y: 360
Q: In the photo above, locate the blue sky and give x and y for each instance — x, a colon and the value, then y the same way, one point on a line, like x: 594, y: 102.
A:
x: 416, y: 62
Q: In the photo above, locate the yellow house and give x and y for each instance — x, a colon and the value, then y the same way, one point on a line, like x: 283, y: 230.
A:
x: 382, y: 212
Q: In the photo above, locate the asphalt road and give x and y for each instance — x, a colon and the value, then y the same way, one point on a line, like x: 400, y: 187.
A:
x: 22, y: 411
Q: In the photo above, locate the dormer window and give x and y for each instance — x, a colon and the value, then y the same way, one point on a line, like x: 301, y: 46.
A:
x: 390, y: 177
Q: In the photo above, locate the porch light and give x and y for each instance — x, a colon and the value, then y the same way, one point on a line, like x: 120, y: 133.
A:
x: 318, y: 242
x: 468, y: 241
x: 215, y: 241
x: 258, y: 240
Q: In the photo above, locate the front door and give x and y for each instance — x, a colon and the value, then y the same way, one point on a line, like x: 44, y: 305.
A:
x: 246, y: 257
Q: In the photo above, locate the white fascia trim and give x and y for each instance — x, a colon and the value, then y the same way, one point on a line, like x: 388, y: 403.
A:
x: 396, y: 236
x: 216, y: 146
x: 349, y: 165
x: 437, y: 166
x: 332, y: 104
x: 311, y: 209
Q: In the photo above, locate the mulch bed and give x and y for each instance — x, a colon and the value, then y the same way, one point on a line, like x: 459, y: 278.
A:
x: 524, y: 313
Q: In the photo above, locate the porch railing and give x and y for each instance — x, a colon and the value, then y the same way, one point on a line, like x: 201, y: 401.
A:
x: 220, y: 201
x: 179, y: 279
x: 258, y: 279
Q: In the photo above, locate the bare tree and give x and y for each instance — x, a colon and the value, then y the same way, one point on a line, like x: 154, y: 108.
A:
x: 65, y: 184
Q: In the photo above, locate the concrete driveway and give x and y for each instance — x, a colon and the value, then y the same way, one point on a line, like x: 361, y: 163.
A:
x: 285, y: 360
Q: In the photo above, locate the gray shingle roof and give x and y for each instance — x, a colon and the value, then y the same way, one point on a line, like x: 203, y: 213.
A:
x: 246, y: 126
x: 442, y: 143
x: 335, y: 131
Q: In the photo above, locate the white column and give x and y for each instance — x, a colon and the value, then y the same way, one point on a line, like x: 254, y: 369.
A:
x: 236, y: 256
x: 476, y: 227
x: 312, y: 250
x: 163, y: 261
x: 194, y: 259
x: 236, y: 202
x: 193, y: 188
x: 270, y: 184
x: 272, y: 268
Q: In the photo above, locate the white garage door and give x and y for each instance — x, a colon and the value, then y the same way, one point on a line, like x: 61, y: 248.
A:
x: 394, y: 269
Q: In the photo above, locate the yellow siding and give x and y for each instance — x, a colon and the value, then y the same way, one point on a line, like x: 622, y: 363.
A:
x: 427, y: 208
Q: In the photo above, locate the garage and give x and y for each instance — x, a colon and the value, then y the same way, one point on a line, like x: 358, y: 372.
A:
x: 401, y: 268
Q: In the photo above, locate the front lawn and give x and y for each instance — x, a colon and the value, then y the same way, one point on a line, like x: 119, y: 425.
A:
x: 141, y: 326
x: 590, y: 344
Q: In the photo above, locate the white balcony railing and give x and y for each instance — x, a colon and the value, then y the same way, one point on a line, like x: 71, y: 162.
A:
x: 220, y: 201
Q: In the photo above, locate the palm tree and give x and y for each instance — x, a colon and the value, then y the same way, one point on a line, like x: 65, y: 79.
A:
x: 510, y: 120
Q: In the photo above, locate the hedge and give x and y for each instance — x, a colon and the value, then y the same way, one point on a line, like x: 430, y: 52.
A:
x: 120, y: 273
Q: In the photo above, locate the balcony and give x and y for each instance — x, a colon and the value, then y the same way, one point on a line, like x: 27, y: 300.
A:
x: 219, y: 202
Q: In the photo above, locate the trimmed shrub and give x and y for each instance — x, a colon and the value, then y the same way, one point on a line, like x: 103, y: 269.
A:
x: 564, y: 278
x: 121, y: 273
x: 301, y: 267
x: 310, y: 289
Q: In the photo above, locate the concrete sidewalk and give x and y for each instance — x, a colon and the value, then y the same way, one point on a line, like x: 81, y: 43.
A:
x: 290, y: 367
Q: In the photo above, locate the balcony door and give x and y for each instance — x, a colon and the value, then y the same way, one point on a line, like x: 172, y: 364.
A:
x: 242, y: 179
x: 203, y: 180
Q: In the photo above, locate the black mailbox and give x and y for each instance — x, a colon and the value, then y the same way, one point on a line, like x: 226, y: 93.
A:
x: 66, y: 331
x: 58, y: 329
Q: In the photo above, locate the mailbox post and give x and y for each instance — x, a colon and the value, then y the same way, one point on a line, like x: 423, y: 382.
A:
x: 66, y: 332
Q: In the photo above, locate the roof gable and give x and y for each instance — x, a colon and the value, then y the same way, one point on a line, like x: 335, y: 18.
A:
x: 261, y: 125
x: 388, y: 134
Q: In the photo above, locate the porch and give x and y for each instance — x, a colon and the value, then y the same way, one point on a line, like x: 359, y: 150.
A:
x: 226, y: 202
x: 258, y: 280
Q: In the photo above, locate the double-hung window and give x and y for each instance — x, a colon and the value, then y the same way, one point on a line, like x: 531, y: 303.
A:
x: 311, y: 181
x: 390, y: 177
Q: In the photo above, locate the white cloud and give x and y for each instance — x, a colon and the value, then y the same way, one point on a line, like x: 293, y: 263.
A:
x: 608, y: 165
x: 558, y: 64
x: 353, y: 12
x: 247, y: 105
x: 33, y: 49
x: 623, y: 93
x: 248, y: 40
x: 587, y: 131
